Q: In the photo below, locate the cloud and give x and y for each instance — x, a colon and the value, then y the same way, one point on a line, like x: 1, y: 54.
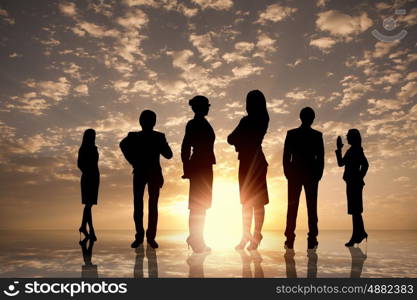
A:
x: 324, y: 43
x: 4, y: 15
x: 246, y: 71
x: 275, y: 13
x: 133, y: 19
x: 411, y: 76
x: 97, y: 31
x: 81, y: 89
x: 295, y: 63
x: 131, y: 3
x: 278, y: 106
x: 214, y: 4
x: 353, y: 90
x: 402, y: 179
x: 68, y: 8
x: 380, y: 106
x: 204, y: 45
x: 342, y: 25
x: 175, y: 121
x: 408, y: 91
x: 265, y: 45
x: 300, y: 94
x: 244, y: 47
x: 321, y: 3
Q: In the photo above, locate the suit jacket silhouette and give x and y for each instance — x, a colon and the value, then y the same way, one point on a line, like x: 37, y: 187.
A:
x: 142, y: 150
x: 303, y: 158
x: 355, y: 162
x: 200, y: 136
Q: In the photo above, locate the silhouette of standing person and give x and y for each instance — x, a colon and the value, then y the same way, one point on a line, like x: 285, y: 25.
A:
x: 90, y: 179
x: 247, y: 138
x: 198, y: 168
x: 356, y: 166
x: 303, y: 162
x: 142, y: 150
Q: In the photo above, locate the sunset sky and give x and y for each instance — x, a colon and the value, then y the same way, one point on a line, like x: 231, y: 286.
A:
x: 71, y: 65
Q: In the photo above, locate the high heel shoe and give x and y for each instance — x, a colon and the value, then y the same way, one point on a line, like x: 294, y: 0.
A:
x: 84, y: 231
x: 360, y: 238
x: 196, y: 246
x: 93, y: 236
x: 245, y: 239
x: 351, y: 242
x: 254, y: 243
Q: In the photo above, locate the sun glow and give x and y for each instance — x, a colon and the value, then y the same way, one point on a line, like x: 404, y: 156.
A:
x: 224, y: 220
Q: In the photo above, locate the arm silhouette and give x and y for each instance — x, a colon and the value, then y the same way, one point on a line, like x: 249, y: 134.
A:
x: 286, y: 158
x: 364, y: 165
x: 126, y: 149
x: 165, y: 149
x: 320, y: 157
x: 186, y: 151
x: 234, y: 138
x: 340, y: 158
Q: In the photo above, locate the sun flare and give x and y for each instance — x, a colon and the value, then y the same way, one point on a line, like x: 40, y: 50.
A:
x: 224, y: 220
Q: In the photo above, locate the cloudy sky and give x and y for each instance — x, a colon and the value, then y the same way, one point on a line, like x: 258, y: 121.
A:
x: 70, y: 65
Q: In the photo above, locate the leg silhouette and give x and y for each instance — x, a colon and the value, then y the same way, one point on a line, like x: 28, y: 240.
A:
x: 294, y: 191
x: 311, y: 198
x: 153, y: 190
x: 138, y: 190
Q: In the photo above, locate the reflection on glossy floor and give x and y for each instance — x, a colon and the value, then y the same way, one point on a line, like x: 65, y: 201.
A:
x: 58, y: 254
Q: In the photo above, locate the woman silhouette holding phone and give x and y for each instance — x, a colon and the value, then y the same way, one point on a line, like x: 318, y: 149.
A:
x: 356, y: 166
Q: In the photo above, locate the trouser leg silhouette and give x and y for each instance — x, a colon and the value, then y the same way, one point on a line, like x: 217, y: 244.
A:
x: 294, y: 191
x: 310, y: 189
x: 153, y: 191
x: 138, y: 190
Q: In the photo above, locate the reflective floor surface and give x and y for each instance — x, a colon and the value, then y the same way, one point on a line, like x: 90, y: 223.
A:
x: 59, y: 254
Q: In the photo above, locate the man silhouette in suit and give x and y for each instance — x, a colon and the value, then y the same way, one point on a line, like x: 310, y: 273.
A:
x: 303, y: 162
x: 142, y: 150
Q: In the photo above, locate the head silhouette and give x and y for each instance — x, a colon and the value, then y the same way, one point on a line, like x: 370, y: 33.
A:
x: 354, y: 137
x: 89, y: 137
x: 200, y: 105
x: 307, y: 116
x: 256, y: 105
x: 147, y: 119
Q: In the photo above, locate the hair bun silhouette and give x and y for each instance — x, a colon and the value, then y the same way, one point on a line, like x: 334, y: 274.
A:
x: 199, y: 100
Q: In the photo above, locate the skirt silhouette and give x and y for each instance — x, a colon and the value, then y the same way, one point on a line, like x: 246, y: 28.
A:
x: 201, y: 182
x: 354, y: 197
x: 252, y: 183
x: 89, y: 187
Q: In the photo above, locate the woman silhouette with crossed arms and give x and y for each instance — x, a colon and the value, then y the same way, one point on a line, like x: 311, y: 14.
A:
x: 247, y: 139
